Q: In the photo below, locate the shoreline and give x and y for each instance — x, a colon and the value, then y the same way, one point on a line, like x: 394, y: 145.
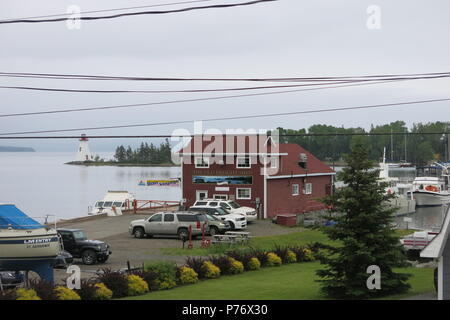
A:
x: 118, y: 164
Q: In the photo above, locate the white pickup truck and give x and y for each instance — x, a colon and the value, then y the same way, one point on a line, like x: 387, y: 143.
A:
x: 229, y: 205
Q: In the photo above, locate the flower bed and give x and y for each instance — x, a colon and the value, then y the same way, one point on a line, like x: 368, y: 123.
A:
x: 164, y: 275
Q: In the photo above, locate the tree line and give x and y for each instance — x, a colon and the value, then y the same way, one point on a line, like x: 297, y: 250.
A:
x: 145, y: 154
x: 417, y: 149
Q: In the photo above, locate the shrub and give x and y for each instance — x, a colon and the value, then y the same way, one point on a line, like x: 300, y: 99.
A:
x: 291, y: 257
x: 222, y: 262
x: 261, y: 255
x: 236, y: 266
x: 8, y: 295
x: 149, y: 276
x: 64, y: 293
x: 102, y: 292
x: 87, y: 289
x: 115, y: 281
x: 187, y: 275
x: 308, y: 255
x: 27, y: 294
x: 166, y: 275
x: 210, y: 270
x: 44, y: 290
x: 136, y: 285
x: 196, y: 263
x: 253, y: 264
x: 273, y: 260
x: 299, y: 253
x: 282, y: 252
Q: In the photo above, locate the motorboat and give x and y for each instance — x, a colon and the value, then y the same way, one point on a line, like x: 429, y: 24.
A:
x: 113, y: 203
x: 431, y: 186
x: 23, y: 240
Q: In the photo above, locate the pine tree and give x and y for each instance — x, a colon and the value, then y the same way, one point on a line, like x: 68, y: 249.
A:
x: 365, y: 235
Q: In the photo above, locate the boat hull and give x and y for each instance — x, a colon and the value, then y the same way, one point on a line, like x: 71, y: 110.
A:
x: 28, y: 245
x: 425, y: 198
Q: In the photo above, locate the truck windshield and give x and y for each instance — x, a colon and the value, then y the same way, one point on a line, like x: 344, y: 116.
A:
x: 79, y: 235
x: 234, y: 204
x: 99, y: 204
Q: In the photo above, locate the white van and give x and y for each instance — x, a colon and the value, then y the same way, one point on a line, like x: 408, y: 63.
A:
x: 229, y: 205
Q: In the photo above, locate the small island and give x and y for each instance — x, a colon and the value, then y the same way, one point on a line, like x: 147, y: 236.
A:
x: 144, y: 156
x: 16, y: 149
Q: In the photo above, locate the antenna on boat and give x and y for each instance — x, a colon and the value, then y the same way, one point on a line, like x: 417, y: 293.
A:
x: 384, y: 155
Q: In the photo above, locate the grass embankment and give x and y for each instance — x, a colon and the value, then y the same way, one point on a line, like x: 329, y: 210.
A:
x: 288, y: 282
x: 302, y: 237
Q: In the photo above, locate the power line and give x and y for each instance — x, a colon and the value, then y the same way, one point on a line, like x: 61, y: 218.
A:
x: 119, y: 15
x: 192, y: 136
x: 234, y: 117
x: 193, y: 90
x: 56, y: 76
x: 172, y: 101
x: 108, y: 10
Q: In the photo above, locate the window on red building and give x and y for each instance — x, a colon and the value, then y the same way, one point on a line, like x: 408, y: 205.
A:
x: 243, y: 193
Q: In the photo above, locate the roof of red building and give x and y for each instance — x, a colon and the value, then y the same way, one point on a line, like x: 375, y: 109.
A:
x: 289, y: 163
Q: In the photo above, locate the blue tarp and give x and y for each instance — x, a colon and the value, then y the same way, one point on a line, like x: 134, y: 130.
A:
x: 12, y: 217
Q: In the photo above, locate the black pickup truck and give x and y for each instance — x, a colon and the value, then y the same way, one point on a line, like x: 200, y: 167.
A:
x: 77, y: 244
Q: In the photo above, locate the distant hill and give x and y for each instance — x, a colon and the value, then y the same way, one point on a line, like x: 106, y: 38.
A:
x: 16, y: 149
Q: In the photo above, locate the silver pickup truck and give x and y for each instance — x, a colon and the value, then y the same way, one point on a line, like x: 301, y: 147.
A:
x: 170, y: 223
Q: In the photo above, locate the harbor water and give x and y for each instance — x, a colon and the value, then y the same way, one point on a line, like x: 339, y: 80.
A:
x: 40, y: 183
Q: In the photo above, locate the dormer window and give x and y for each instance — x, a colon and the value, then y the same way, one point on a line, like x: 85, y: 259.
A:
x: 243, y: 162
x: 201, y: 162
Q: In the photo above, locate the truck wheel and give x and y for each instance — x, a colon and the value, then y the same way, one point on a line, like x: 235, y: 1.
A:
x: 139, y: 233
x: 213, y: 230
x: 183, y: 233
x: 232, y: 225
x: 89, y: 257
x: 103, y: 260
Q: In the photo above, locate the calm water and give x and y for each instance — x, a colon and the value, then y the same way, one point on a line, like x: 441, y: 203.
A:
x: 39, y: 183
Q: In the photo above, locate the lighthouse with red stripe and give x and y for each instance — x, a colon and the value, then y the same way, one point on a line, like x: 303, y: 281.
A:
x: 83, y: 154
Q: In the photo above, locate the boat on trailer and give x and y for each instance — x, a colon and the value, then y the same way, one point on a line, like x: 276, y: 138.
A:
x: 24, y: 240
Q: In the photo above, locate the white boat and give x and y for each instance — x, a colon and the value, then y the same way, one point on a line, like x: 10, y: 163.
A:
x: 113, y: 203
x: 418, y: 240
x: 23, y: 239
x: 430, y: 188
x: 402, y: 201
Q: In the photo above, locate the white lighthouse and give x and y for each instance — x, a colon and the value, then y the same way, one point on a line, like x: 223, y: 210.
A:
x: 83, y: 153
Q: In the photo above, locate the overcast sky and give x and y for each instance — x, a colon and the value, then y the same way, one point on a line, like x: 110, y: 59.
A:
x: 287, y: 38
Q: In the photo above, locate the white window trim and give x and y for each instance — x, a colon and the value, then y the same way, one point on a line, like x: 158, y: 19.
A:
x: 205, y: 160
x: 244, y: 157
x: 310, y: 189
x: 220, y: 195
x: 239, y: 198
x: 298, y: 189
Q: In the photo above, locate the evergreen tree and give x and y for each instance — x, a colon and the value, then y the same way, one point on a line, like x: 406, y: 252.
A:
x: 120, y: 154
x: 365, y: 235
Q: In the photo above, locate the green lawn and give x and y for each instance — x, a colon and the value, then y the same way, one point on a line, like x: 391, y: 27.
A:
x: 288, y: 282
x: 302, y: 237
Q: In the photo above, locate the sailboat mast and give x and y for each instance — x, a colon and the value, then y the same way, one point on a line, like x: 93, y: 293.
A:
x: 392, y: 146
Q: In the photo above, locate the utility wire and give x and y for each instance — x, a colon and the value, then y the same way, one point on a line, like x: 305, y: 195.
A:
x: 23, y: 114
x: 107, y: 10
x: 234, y: 117
x: 192, y: 136
x: 195, y: 90
x: 119, y: 15
x: 433, y: 75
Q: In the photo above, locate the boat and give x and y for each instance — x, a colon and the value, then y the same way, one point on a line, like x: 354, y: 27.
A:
x: 418, y: 240
x: 403, y: 202
x: 172, y: 182
x: 113, y: 203
x: 23, y: 240
x: 430, y: 187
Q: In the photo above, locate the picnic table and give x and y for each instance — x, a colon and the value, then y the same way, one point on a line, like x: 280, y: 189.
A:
x: 232, y: 237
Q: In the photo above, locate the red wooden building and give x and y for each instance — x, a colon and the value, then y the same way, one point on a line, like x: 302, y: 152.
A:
x: 254, y: 171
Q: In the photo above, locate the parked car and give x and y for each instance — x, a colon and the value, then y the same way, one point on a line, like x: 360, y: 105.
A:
x: 236, y: 221
x: 229, y: 205
x: 11, y: 279
x: 216, y: 225
x: 169, y: 223
x: 77, y: 244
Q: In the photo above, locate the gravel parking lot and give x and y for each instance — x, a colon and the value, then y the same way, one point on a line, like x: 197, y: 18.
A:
x: 114, y: 231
